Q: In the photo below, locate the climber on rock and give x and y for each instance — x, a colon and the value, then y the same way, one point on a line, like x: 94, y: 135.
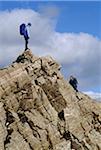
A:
x: 24, y: 31
x: 73, y: 82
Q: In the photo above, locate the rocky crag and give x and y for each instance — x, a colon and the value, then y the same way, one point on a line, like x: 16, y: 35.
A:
x: 39, y: 110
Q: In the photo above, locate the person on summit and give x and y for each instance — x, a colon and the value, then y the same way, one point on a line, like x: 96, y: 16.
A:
x: 73, y: 82
x: 24, y: 32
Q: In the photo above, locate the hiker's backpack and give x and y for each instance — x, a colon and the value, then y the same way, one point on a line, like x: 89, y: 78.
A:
x: 22, y: 29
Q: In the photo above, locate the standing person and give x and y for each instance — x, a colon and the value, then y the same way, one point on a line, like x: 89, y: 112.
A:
x: 73, y: 82
x: 24, y: 32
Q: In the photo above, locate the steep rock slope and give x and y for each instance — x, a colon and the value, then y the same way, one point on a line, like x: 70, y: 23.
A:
x: 39, y: 110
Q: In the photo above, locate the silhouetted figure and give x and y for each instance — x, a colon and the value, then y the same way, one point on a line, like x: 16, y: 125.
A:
x: 73, y: 82
x: 24, y: 32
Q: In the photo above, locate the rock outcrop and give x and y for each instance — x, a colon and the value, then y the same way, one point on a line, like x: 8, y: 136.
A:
x: 39, y: 110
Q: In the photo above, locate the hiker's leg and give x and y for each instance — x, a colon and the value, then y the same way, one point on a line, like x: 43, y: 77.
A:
x: 26, y: 44
x: 75, y: 88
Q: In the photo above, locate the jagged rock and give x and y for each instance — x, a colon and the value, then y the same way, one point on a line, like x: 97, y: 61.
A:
x: 39, y: 110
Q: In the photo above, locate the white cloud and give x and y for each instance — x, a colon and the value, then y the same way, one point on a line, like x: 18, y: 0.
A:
x: 94, y: 95
x: 50, y: 11
x: 78, y: 53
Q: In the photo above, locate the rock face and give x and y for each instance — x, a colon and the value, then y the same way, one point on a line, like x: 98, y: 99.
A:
x: 39, y: 110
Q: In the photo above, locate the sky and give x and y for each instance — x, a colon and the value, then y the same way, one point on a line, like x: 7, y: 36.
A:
x: 69, y: 31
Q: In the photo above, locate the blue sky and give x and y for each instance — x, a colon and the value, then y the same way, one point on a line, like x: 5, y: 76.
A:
x: 73, y: 16
x: 67, y: 30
